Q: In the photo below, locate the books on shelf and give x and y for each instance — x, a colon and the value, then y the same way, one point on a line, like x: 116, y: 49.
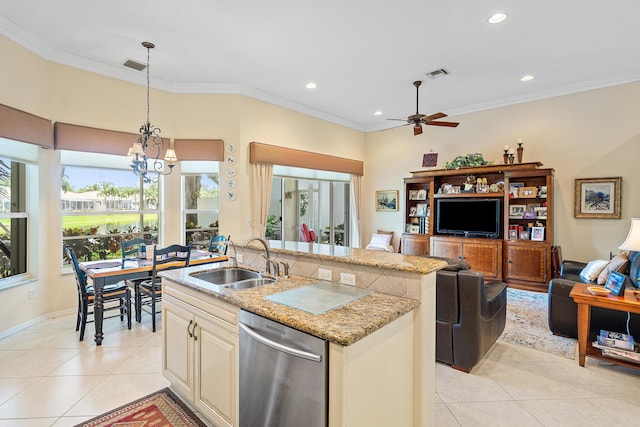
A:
x: 618, y: 345
x: 419, y: 227
x: 618, y: 353
x: 616, y: 339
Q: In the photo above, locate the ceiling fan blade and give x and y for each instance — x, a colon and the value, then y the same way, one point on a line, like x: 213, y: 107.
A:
x: 434, y: 117
x: 417, y: 129
x: 447, y: 124
x: 401, y: 120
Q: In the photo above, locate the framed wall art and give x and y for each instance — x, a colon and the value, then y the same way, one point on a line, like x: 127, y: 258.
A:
x: 387, y: 201
x: 598, y: 197
x: 429, y: 160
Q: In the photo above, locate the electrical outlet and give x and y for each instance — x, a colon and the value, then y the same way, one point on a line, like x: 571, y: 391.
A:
x: 348, y: 279
x: 240, y: 258
x: 324, y: 274
x: 32, y: 293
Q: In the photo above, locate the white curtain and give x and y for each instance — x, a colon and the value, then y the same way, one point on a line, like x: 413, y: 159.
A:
x: 355, y: 210
x: 262, y: 178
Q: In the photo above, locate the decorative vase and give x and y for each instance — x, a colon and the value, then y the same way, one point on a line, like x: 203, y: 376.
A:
x: 511, y: 158
x: 505, y: 156
x: 520, y: 150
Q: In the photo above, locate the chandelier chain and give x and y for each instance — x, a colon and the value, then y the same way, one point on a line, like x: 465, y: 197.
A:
x: 150, y: 139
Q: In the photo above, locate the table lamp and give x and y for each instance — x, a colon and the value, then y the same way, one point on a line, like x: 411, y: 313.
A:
x: 632, y: 242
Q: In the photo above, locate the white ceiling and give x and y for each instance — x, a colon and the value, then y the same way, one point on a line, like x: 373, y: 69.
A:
x: 363, y: 54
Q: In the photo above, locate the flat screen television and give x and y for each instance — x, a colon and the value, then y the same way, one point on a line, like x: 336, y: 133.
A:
x: 473, y: 217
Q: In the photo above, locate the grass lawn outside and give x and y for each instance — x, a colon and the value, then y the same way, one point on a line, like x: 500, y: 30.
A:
x: 109, y: 222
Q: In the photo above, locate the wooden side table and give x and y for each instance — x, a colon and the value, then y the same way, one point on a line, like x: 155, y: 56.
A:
x: 581, y: 295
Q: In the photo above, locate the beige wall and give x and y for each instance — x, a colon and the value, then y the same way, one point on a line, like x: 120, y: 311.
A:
x: 584, y: 135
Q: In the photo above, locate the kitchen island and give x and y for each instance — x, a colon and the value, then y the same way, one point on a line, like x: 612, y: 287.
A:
x: 381, y: 354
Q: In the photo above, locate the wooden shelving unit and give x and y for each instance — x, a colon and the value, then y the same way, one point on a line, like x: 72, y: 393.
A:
x: 520, y: 261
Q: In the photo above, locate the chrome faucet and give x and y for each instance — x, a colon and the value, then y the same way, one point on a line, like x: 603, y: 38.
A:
x: 235, y: 253
x: 285, y: 268
x: 267, y: 254
x: 269, y: 263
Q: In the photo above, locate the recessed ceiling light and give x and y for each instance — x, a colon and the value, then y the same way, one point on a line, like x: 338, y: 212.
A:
x: 527, y: 78
x: 377, y: 113
x: 497, y: 18
x: 311, y: 85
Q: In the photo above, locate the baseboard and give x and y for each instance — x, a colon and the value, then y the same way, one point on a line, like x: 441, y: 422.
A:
x: 25, y: 325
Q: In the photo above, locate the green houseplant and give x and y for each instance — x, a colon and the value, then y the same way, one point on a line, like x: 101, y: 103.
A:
x: 467, y: 161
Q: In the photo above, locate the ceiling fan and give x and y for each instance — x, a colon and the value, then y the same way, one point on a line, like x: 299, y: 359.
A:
x: 417, y: 119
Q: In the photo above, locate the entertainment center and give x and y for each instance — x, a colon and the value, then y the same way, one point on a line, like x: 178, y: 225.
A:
x: 498, y: 218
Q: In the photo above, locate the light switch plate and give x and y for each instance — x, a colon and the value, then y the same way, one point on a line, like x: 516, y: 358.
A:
x: 324, y: 274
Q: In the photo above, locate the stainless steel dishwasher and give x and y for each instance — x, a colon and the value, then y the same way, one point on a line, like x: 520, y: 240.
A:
x: 283, y: 375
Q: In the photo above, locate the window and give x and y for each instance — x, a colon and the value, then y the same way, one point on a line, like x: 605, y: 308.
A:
x: 13, y: 217
x: 319, y: 199
x: 200, y: 201
x: 101, y: 205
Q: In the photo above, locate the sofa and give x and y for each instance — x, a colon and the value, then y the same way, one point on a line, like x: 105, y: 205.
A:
x: 470, y: 316
x: 563, y: 311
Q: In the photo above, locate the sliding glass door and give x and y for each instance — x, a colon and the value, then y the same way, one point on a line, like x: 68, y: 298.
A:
x: 323, y: 205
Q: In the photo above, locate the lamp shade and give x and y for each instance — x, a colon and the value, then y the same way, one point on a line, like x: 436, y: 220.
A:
x: 632, y: 242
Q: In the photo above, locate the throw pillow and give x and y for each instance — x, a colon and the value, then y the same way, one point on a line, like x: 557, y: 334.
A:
x: 380, y: 242
x: 619, y: 263
x: 593, y: 269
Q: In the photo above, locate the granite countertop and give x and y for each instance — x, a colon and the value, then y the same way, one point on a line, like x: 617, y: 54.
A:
x: 356, y: 256
x: 343, y: 325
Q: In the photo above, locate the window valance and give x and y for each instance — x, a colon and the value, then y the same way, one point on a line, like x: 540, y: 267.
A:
x: 93, y: 140
x: 274, y: 155
x: 25, y: 127
x: 199, y: 149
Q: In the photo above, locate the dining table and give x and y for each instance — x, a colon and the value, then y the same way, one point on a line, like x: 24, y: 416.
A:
x: 106, y: 272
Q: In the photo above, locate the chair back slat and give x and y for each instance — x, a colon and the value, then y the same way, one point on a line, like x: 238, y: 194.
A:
x: 81, y: 276
x: 179, y: 254
x: 129, y: 248
x: 218, y: 244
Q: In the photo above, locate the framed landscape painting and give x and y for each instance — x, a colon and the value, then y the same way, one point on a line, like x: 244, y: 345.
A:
x: 387, y: 201
x: 597, y: 197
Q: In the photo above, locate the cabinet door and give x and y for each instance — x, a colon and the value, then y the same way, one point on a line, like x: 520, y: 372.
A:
x: 415, y: 244
x: 216, y: 382
x: 484, y: 257
x: 527, y: 262
x: 177, y: 357
x: 447, y: 248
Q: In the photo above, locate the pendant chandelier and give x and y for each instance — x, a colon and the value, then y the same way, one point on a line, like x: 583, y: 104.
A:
x: 146, y: 151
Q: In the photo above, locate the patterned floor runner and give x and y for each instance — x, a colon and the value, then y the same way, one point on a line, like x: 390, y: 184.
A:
x: 527, y: 324
x: 162, y: 408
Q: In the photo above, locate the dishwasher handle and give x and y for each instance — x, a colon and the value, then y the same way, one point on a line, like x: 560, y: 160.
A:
x: 280, y: 347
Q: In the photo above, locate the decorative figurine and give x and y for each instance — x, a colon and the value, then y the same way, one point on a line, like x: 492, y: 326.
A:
x: 520, y: 150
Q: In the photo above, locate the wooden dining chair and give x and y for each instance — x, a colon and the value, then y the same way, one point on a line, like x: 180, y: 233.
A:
x: 130, y: 248
x: 149, y: 291
x: 218, y: 244
x: 115, y: 293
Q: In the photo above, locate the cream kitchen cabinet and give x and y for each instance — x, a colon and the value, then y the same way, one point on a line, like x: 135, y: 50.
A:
x: 200, y: 352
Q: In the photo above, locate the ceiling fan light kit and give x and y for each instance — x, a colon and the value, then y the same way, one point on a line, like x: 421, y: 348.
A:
x: 417, y: 119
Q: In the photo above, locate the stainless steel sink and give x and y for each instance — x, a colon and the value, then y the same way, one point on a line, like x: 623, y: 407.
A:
x: 223, y: 276
x: 251, y: 283
x: 233, y: 278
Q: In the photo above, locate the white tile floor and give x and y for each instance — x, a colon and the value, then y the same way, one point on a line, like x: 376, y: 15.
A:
x: 48, y: 378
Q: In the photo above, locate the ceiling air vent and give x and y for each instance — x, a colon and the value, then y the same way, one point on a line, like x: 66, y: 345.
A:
x: 134, y: 64
x: 441, y: 72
